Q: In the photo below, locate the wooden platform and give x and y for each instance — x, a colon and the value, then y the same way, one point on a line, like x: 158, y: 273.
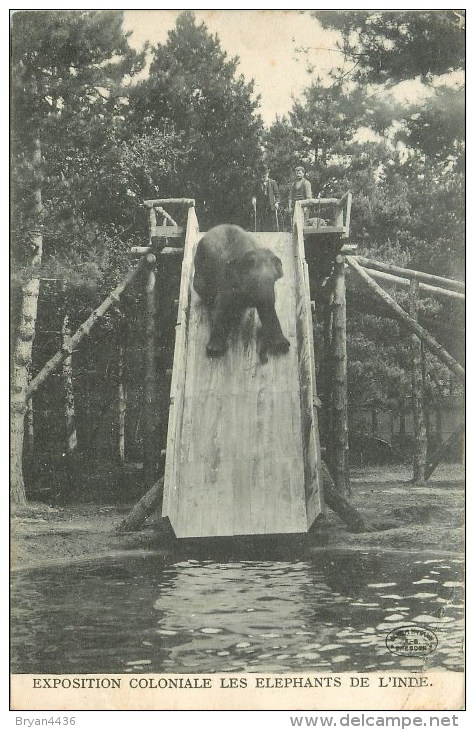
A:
x: 242, y: 451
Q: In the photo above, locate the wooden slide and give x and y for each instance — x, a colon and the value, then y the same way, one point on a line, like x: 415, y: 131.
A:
x: 243, y: 455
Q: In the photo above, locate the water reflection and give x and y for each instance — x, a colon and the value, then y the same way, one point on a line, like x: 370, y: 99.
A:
x: 330, y: 613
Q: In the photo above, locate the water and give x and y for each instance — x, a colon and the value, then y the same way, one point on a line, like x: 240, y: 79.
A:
x: 328, y: 613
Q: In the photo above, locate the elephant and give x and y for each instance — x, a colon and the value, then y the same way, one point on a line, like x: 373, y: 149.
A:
x: 233, y: 273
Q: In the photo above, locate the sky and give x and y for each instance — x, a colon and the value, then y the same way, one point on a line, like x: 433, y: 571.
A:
x: 265, y: 41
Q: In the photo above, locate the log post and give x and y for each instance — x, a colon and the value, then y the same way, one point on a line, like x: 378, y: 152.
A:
x: 325, y: 377
x: 339, y: 377
x: 152, y: 224
x: 149, y: 440
x: 23, y: 346
x: 420, y: 433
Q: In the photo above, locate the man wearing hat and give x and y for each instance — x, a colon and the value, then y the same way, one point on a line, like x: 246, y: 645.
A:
x: 265, y: 203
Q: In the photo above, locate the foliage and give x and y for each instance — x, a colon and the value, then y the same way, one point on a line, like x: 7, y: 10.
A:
x: 392, y: 46
x: 403, y: 162
x: 193, y: 84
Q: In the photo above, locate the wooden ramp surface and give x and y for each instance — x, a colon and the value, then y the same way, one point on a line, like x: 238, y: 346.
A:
x: 237, y: 463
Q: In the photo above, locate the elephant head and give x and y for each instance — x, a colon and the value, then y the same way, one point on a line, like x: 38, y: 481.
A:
x: 253, y: 275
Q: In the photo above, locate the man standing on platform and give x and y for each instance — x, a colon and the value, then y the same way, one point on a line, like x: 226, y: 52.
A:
x: 265, y: 204
x: 301, y: 188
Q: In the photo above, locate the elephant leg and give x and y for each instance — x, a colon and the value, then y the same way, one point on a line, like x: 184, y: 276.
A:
x: 222, y: 317
x: 273, y: 337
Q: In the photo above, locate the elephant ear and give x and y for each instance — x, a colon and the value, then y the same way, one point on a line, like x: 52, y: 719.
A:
x: 279, y: 272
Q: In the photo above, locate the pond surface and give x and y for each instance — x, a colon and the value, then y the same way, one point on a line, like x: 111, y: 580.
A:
x: 330, y: 612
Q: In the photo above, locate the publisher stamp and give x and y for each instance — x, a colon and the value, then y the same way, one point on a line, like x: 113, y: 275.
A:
x: 411, y: 641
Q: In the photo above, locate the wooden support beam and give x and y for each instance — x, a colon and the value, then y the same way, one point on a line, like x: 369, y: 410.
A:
x: 435, y: 458
x: 189, y: 202
x: 339, y: 504
x: 339, y: 380
x: 430, y: 342
x: 152, y: 223
x: 420, y: 433
x: 166, y: 250
x: 421, y: 276
x: 167, y: 231
x: 67, y: 348
x: 348, y: 199
x: 166, y: 215
x: 145, y: 506
x: 149, y: 445
x: 324, y: 378
x: 319, y: 201
x: 320, y: 230
x: 431, y: 290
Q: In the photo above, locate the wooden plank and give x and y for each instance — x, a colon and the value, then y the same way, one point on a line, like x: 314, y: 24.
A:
x: 349, y: 199
x: 172, y: 201
x: 167, y: 231
x: 319, y: 201
x: 175, y: 417
x: 320, y: 230
x: 166, y: 250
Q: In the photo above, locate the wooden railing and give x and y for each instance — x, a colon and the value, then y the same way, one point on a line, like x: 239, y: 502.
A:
x: 340, y: 222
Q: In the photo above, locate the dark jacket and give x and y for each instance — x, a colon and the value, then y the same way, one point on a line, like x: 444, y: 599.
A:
x: 266, y: 194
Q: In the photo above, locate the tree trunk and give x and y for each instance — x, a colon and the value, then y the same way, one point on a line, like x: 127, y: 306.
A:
x: 325, y: 378
x: 24, y: 344
x: 121, y: 406
x: 339, y: 375
x: 420, y: 434
x: 70, y: 412
x: 30, y: 427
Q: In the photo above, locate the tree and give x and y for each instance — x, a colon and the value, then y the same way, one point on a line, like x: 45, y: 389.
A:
x: 67, y: 75
x: 391, y: 46
x: 196, y: 88
x: 402, y: 166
